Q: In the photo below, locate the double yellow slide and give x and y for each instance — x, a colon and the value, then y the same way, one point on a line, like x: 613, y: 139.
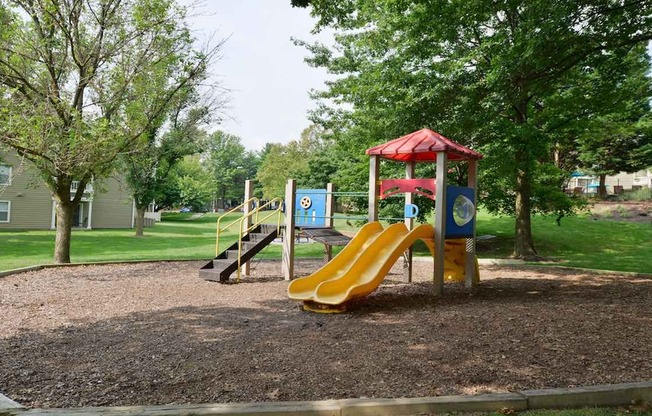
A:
x: 362, y: 265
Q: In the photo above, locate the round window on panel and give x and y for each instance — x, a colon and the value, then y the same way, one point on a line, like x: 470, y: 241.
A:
x: 305, y: 202
x: 463, y: 210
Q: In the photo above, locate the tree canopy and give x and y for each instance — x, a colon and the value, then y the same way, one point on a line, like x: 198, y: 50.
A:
x: 491, y: 75
x: 148, y: 169
x: 230, y: 165
x: 70, y: 73
x: 310, y: 160
x: 619, y: 138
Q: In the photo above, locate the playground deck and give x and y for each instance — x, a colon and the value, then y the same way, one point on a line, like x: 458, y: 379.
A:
x: 153, y: 334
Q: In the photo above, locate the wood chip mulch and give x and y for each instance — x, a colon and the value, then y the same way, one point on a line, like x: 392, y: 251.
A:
x: 154, y: 333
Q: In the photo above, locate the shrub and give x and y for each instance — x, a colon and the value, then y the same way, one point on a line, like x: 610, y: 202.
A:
x: 643, y: 194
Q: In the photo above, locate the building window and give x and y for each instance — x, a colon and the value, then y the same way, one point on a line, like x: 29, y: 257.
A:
x: 5, y: 175
x: 5, y: 209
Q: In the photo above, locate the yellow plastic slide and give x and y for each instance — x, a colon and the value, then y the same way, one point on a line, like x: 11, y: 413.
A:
x: 304, y: 288
x: 360, y: 267
x: 366, y: 274
x: 454, y: 259
x: 363, y: 264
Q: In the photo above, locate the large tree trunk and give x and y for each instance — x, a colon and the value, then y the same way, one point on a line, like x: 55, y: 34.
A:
x: 65, y: 210
x: 523, y: 244
x: 66, y: 207
x: 140, y: 220
x: 602, y: 188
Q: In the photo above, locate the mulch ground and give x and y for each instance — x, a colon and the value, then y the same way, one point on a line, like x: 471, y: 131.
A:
x: 156, y: 334
x: 626, y: 211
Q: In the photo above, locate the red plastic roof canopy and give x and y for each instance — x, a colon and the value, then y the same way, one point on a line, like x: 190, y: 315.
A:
x: 422, y: 146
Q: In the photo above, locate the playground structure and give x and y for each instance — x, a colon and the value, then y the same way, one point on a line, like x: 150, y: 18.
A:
x: 362, y: 265
x: 358, y: 271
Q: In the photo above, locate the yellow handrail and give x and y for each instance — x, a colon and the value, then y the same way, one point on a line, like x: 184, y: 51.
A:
x: 256, y: 223
x: 219, y: 230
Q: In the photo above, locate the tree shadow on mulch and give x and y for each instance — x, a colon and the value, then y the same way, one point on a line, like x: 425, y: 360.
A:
x: 513, y: 333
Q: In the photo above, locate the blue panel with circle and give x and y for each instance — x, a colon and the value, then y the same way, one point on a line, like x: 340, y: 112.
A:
x: 460, y: 212
x: 310, y: 208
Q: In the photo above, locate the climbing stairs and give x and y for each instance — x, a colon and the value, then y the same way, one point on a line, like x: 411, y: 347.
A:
x: 226, y: 263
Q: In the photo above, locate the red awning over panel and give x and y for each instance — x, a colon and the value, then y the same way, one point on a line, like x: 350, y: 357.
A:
x: 422, y: 146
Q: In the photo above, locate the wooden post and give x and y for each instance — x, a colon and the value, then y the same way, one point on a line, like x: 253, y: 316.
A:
x: 328, y: 223
x: 288, y: 240
x: 90, y: 214
x: 374, y: 188
x: 409, y: 223
x: 53, y: 219
x: 440, y: 223
x: 248, y: 194
x: 469, y: 266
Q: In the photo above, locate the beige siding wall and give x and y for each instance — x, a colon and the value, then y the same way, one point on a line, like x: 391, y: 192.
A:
x: 31, y: 201
x: 112, y: 205
x: 627, y: 180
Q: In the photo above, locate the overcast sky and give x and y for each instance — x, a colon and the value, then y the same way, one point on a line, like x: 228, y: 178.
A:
x: 264, y: 70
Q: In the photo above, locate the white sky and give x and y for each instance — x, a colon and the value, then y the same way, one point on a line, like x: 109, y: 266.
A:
x: 264, y: 70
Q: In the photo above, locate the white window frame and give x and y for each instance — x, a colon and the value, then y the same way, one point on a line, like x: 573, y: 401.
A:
x: 8, y: 213
x: 8, y: 176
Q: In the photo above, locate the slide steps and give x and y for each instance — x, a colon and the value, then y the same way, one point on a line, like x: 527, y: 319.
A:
x: 225, y: 264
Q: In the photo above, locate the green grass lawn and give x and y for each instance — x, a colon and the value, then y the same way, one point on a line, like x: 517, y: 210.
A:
x: 579, y: 242
x: 177, y: 237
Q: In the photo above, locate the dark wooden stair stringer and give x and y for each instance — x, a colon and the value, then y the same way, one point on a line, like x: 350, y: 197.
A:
x: 226, y: 263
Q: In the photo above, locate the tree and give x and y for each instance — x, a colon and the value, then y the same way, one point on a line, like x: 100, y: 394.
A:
x: 619, y: 139
x: 275, y: 169
x: 194, y: 182
x: 148, y: 171
x: 69, y: 70
x: 299, y: 160
x: 476, y: 70
x: 322, y: 159
x: 228, y: 161
x: 176, y: 132
x: 617, y: 148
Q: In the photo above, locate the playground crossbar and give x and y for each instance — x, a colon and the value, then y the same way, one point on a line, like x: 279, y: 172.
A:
x: 357, y: 217
x: 336, y: 193
x: 353, y: 194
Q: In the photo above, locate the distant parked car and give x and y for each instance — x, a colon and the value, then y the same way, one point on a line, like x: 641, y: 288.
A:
x: 185, y: 209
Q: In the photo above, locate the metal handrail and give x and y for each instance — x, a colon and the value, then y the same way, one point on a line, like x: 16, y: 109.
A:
x: 256, y: 223
x: 219, y: 230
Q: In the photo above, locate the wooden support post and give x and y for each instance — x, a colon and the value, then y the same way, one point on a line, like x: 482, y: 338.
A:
x: 374, y: 187
x: 328, y: 223
x: 330, y: 205
x: 440, y: 223
x: 469, y: 266
x: 328, y: 253
x: 409, y: 223
x: 248, y: 194
x: 288, y: 240
x: 90, y: 215
x: 53, y: 219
